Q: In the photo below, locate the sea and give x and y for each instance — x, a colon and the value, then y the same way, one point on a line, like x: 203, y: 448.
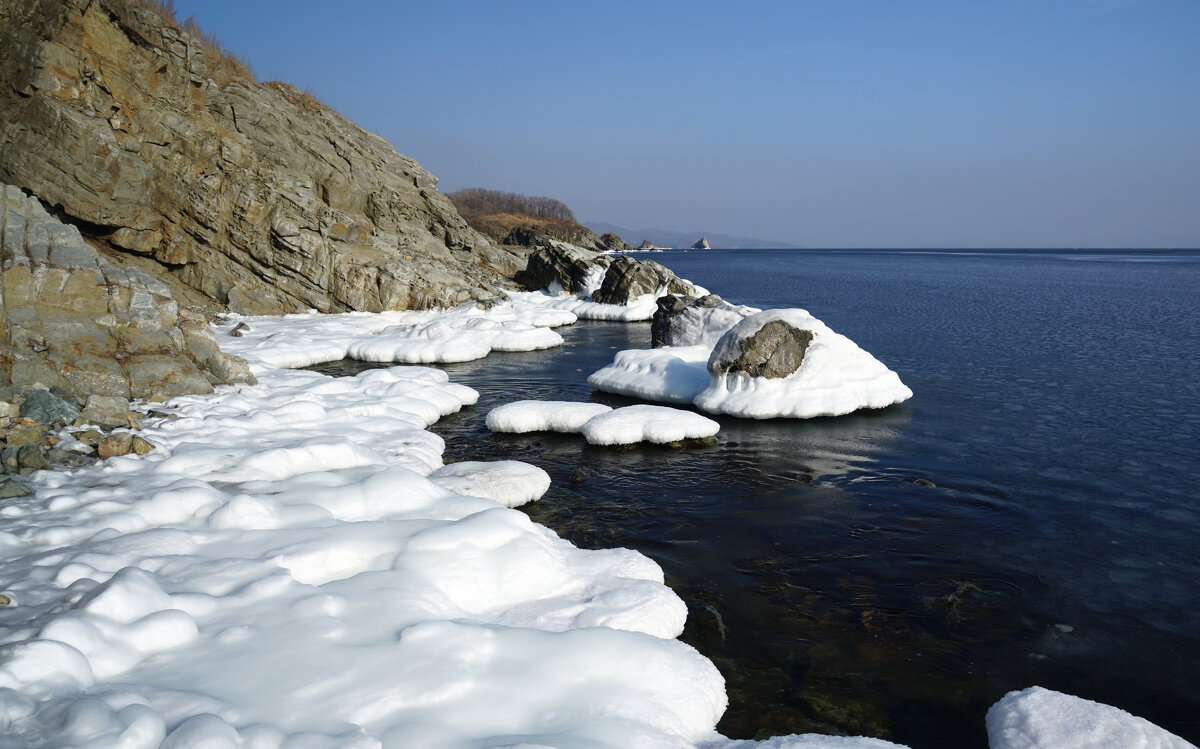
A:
x: 1029, y: 517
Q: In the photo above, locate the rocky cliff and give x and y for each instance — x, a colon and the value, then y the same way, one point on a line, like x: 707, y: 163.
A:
x: 252, y: 197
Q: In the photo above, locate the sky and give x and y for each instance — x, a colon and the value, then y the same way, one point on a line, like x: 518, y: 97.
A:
x: 823, y: 123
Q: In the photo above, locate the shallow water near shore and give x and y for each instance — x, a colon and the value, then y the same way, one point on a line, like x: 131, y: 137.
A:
x: 1057, y: 415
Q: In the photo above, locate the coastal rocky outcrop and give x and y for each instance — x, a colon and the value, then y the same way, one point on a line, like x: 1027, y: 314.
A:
x: 621, y: 279
x: 683, y: 322
x: 76, y: 322
x: 563, y: 264
x: 614, y: 243
x: 255, y: 197
x: 648, y: 245
x: 702, y: 244
x: 627, y: 279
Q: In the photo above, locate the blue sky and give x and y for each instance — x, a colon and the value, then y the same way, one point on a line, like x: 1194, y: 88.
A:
x: 827, y: 123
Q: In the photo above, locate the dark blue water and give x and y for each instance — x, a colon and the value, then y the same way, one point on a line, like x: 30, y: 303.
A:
x: 1057, y: 414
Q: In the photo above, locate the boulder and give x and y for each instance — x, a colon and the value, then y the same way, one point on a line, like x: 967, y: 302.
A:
x: 776, y: 350
x: 47, y: 408
x: 690, y: 323
x: 627, y: 279
x: 563, y: 264
x: 117, y: 443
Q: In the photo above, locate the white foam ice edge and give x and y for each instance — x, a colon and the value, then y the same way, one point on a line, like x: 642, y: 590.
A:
x: 836, y: 377
x: 294, y: 566
x: 600, y: 424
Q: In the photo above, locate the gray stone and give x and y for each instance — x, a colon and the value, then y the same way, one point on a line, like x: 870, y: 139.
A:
x: 10, y: 489
x: 562, y: 264
x: 627, y: 279
x: 669, y: 306
x: 46, y: 408
x: 25, y: 435
x: 775, y: 350
x: 32, y: 457
x: 106, y: 411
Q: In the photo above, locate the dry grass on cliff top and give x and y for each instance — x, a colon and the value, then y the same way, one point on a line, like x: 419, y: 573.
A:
x: 223, y: 64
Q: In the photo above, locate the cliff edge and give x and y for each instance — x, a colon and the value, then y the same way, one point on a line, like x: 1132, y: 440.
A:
x: 247, y: 196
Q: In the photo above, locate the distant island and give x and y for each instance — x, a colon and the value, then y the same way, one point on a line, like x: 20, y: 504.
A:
x: 702, y: 244
x: 668, y: 238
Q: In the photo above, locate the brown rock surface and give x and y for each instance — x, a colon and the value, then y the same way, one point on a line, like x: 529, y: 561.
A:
x: 70, y: 318
x: 254, y: 195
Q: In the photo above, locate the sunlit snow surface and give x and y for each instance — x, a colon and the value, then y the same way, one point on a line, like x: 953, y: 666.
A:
x: 1038, y: 718
x: 835, y: 378
x: 292, y: 566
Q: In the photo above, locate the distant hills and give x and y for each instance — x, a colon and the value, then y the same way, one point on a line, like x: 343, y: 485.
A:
x: 680, y: 239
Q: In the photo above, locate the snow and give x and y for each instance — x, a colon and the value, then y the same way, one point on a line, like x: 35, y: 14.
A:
x: 1038, y: 718
x: 543, y: 416
x: 294, y: 566
x: 835, y: 378
x: 672, y: 374
x: 658, y: 424
x: 512, y: 483
x: 411, y: 337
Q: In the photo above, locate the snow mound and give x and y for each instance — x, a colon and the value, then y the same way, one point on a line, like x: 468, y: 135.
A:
x: 409, y: 337
x: 1038, y: 718
x: 292, y: 566
x: 658, y: 424
x: 674, y: 374
x: 543, y: 416
x: 512, y: 483
x: 836, y: 376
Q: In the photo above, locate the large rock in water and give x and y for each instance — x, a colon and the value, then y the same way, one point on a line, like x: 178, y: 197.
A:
x: 627, y: 279
x: 776, y: 350
x: 680, y: 322
x: 256, y: 195
x: 563, y: 264
x: 70, y: 318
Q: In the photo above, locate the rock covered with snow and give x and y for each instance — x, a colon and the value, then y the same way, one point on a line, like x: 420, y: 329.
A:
x: 543, y: 416
x: 832, y: 376
x: 1038, y: 718
x: 657, y: 424
x: 682, y: 322
x: 598, y: 287
x: 812, y: 370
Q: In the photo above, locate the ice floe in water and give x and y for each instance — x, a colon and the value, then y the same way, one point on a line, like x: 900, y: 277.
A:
x: 835, y: 377
x: 1038, y: 718
x: 512, y: 483
x: 658, y: 424
x: 543, y: 416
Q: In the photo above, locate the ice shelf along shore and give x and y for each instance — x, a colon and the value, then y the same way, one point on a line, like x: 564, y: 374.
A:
x: 293, y: 566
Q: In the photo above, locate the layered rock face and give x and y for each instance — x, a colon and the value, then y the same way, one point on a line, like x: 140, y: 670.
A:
x: 255, y: 195
x: 74, y: 321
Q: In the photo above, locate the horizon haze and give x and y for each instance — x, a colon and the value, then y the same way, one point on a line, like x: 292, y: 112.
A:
x: 936, y: 124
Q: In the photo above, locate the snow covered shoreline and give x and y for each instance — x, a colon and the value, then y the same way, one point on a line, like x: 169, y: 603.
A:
x: 288, y: 569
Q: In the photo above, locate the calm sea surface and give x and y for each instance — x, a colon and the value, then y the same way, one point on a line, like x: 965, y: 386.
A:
x: 1057, y: 413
